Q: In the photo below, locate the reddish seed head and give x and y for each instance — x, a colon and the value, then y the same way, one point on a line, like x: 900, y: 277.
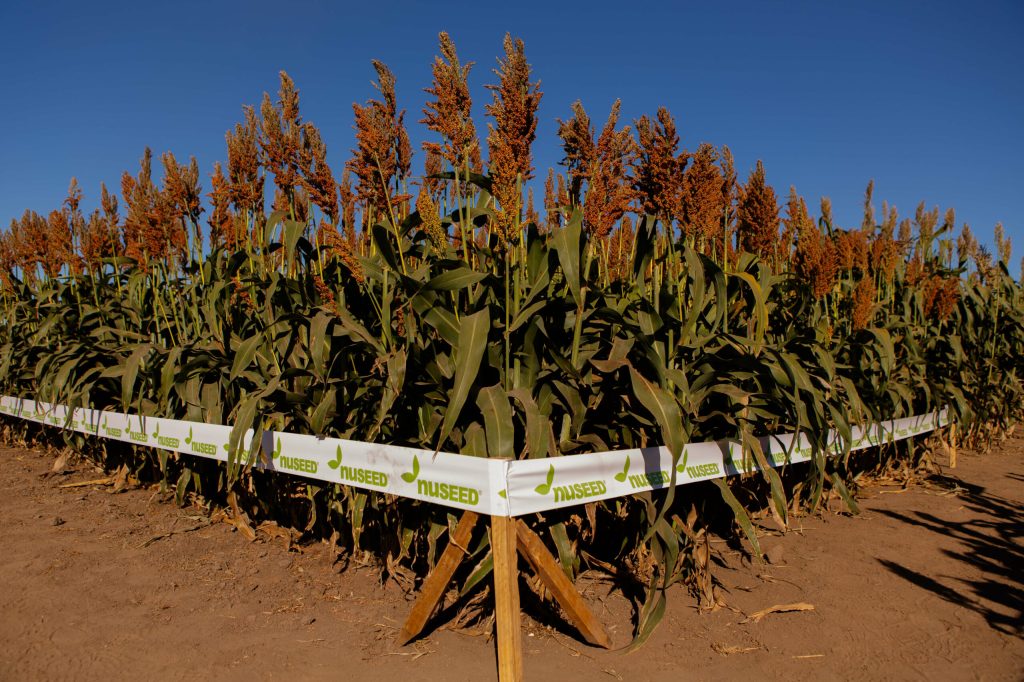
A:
x: 702, y: 197
x: 609, y: 190
x: 449, y: 113
x: 658, y: 168
x: 758, y: 216
x: 514, y: 108
x: 382, y: 157
x: 863, y: 303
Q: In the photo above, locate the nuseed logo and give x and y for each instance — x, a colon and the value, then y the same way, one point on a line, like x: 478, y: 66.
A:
x: 372, y: 477
x: 799, y: 452
x: 110, y: 430
x: 647, y: 479
x: 199, y: 447
x: 165, y: 441
x: 299, y: 464
x: 703, y: 470
x: 440, y: 490
x: 575, y: 491
x: 139, y: 436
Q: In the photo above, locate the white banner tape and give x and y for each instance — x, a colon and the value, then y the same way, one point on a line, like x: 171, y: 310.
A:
x: 487, y: 486
x: 536, y: 485
x: 459, y: 481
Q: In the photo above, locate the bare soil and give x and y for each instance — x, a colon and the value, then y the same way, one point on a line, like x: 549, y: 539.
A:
x: 925, y: 584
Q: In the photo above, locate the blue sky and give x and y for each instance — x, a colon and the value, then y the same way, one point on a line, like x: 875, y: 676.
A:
x: 926, y: 98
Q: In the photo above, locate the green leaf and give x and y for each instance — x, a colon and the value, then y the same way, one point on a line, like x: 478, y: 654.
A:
x: 760, y: 308
x: 318, y: 345
x: 837, y: 483
x: 497, y: 413
x: 392, y: 389
x: 567, y: 242
x: 244, y: 354
x: 473, y: 332
x: 480, y: 571
x: 770, y: 474
x: 665, y: 410
x: 131, y: 371
x: 526, y: 314
x: 324, y: 411
x: 740, y: 514
x: 382, y: 239
x: 566, y: 554
x: 651, y: 614
x: 181, y: 488
x: 538, y: 426
x: 244, y: 419
x: 456, y: 278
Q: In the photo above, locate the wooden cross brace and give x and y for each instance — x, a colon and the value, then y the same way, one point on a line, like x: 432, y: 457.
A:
x: 508, y: 536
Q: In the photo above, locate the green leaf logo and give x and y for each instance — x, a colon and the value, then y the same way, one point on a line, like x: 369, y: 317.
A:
x: 503, y: 494
x: 411, y: 476
x: 545, y: 488
x: 681, y: 467
x: 277, y: 450
x: 336, y: 462
x: 189, y: 439
x: 621, y: 476
x: 156, y: 434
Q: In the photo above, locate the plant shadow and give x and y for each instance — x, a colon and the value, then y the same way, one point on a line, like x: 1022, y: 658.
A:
x: 990, y: 544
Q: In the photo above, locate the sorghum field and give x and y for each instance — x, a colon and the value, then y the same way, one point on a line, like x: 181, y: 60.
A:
x: 652, y: 295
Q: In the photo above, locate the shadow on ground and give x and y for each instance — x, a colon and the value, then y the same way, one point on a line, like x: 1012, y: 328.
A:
x: 989, y: 543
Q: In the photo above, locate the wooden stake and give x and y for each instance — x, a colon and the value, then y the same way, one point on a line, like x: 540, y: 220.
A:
x: 434, y: 586
x: 506, y: 598
x: 952, y: 445
x: 554, y: 578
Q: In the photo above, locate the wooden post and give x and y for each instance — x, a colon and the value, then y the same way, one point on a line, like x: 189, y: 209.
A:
x: 434, y: 586
x: 952, y: 445
x: 554, y: 578
x: 510, y: 537
x: 506, y: 598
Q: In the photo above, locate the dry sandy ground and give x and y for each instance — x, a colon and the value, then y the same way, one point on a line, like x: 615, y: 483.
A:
x: 925, y: 584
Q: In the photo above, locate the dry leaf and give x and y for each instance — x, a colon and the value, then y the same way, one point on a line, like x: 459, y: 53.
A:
x: 273, y: 530
x: 778, y: 608
x: 61, y: 463
x: 96, y: 481
x: 728, y: 650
